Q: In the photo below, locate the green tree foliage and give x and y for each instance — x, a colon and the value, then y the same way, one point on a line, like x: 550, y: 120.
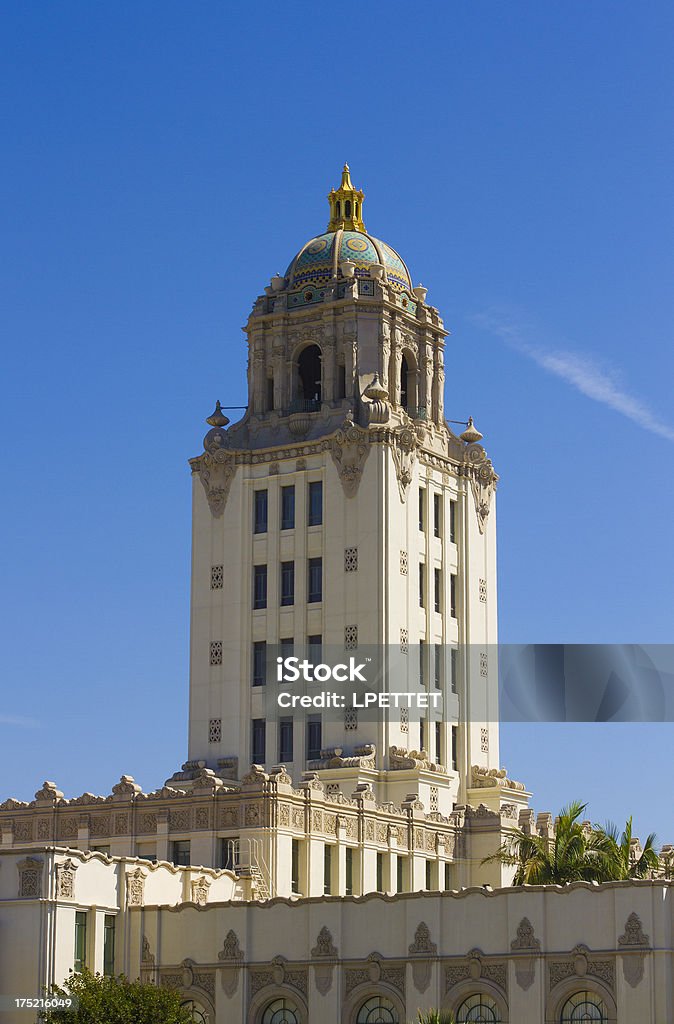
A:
x: 435, y: 1017
x: 116, y: 1001
x: 577, y: 852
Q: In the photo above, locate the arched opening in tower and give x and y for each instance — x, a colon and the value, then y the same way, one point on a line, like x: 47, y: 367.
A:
x: 309, y: 369
x: 404, y: 383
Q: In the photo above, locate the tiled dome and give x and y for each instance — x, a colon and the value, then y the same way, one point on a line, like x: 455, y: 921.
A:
x: 318, y: 261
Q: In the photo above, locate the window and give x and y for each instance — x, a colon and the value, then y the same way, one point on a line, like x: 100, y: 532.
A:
x: 429, y: 874
x: 422, y: 732
x: 452, y: 522
x: 259, y: 586
x: 437, y: 670
x: 404, y: 383
x: 314, y: 737
x: 455, y: 743
x: 287, y: 646
x: 109, y: 946
x: 80, y: 940
x: 341, y: 381
x: 422, y: 507
x: 452, y: 595
x: 422, y: 584
x: 454, y: 668
x: 437, y: 580
x: 180, y: 852
x: 261, y: 506
x: 448, y: 875
x: 288, y: 508
x: 315, y: 645
x: 422, y: 659
x: 315, y: 501
x: 315, y: 580
x: 327, y: 870
x: 287, y: 583
x: 281, y: 1011
x: 270, y: 393
x: 285, y: 739
x: 295, y: 868
x: 259, y: 663
x: 259, y: 739
x: 480, y: 1008
x: 380, y: 872
x: 378, y: 1008
x: 348, y: 885
x: 400, y: 872
x: 584, y: 1006
x: 196, y: 1013
x: 228, y: 853
x: 437, y: 515
x: 147, y: 852
x: 438, y: 742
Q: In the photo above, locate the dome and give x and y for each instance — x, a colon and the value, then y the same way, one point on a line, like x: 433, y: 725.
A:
x: 318, y: 261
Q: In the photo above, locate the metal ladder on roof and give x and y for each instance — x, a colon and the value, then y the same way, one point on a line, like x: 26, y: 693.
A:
x: 245, y: 857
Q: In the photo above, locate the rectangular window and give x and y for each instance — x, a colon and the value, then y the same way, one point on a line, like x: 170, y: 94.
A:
x: 259, y: 738
x: 109, y: 946
x: 261, y: 505
x: 452, y: 595
x: 287, y: 583
x: 80, y: 940
x: 438, y: 742
x: 327, y: 869
x: 315, y: 645
x: 315, y: 580
x: 180, y: 852
x: 422, y: 733
x: 285, y: 739
x: 314, y: 737
x: 348, y: 885
x: 380, y: 872
x: 315, y: 501
x: 288, y: 508
x: 448, y: 876
x: 454, y: 667
x: 400, y: 872
x: 422, y: 507
x: 437, y: 670
x: 146, y: 852
x: 437, y: 515
x: 455, y: 752
x: 437, y: 582
x: 259, y: 663
x: 287, y: 645
x: 259, y: 586
x: 270, y: 393
x: 295, y: 868
x: 452, y: 522
x: 422, y: 585
x: 429, y: 874
x: 422, y: 665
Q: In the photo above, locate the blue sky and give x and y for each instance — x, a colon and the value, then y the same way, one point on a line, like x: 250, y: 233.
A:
x: 161, y: 162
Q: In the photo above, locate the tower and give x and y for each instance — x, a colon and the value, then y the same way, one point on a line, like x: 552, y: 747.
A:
x: 341, y: 513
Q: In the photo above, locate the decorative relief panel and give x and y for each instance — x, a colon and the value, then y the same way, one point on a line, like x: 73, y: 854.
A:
x: 30, y: 878
x: 217, y: 577
x: 215, y: 655
x: 350, y: 719
x: 200, y: 887
x: 351, y: 638
x: 404, y: 641
x: 403, y: 563
x: 135, y: 888
x: 350, y: 559
x: 65, y: 880
x: 215, y: 730
x: 404, y: 720
x: 350, y: 449
x: 216, y: 468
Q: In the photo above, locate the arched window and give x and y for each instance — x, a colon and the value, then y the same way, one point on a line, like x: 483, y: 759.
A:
x: 198, y: 1015
x: 309, y: 369
x: 584, y: 1006
x: 281, y: 1011
x: 338, y: 209
x: 404, y: 383
x: 377, y: 1010
x: 355, y: 207
x: 347, y: 208
x: 478, y: 1010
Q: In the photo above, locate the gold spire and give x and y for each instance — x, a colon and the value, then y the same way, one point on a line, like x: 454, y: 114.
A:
x: 346, y: 205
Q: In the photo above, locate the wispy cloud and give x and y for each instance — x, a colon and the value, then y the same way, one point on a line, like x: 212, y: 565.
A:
x: 19, y: 722
x: 597, y: 382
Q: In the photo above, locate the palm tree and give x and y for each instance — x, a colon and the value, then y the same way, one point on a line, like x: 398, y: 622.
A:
x: 572, y: 854
x: 617, y: 861
x: 435, y: 1017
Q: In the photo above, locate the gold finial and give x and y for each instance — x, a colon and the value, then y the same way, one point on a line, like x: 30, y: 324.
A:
x: 346, y: 205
